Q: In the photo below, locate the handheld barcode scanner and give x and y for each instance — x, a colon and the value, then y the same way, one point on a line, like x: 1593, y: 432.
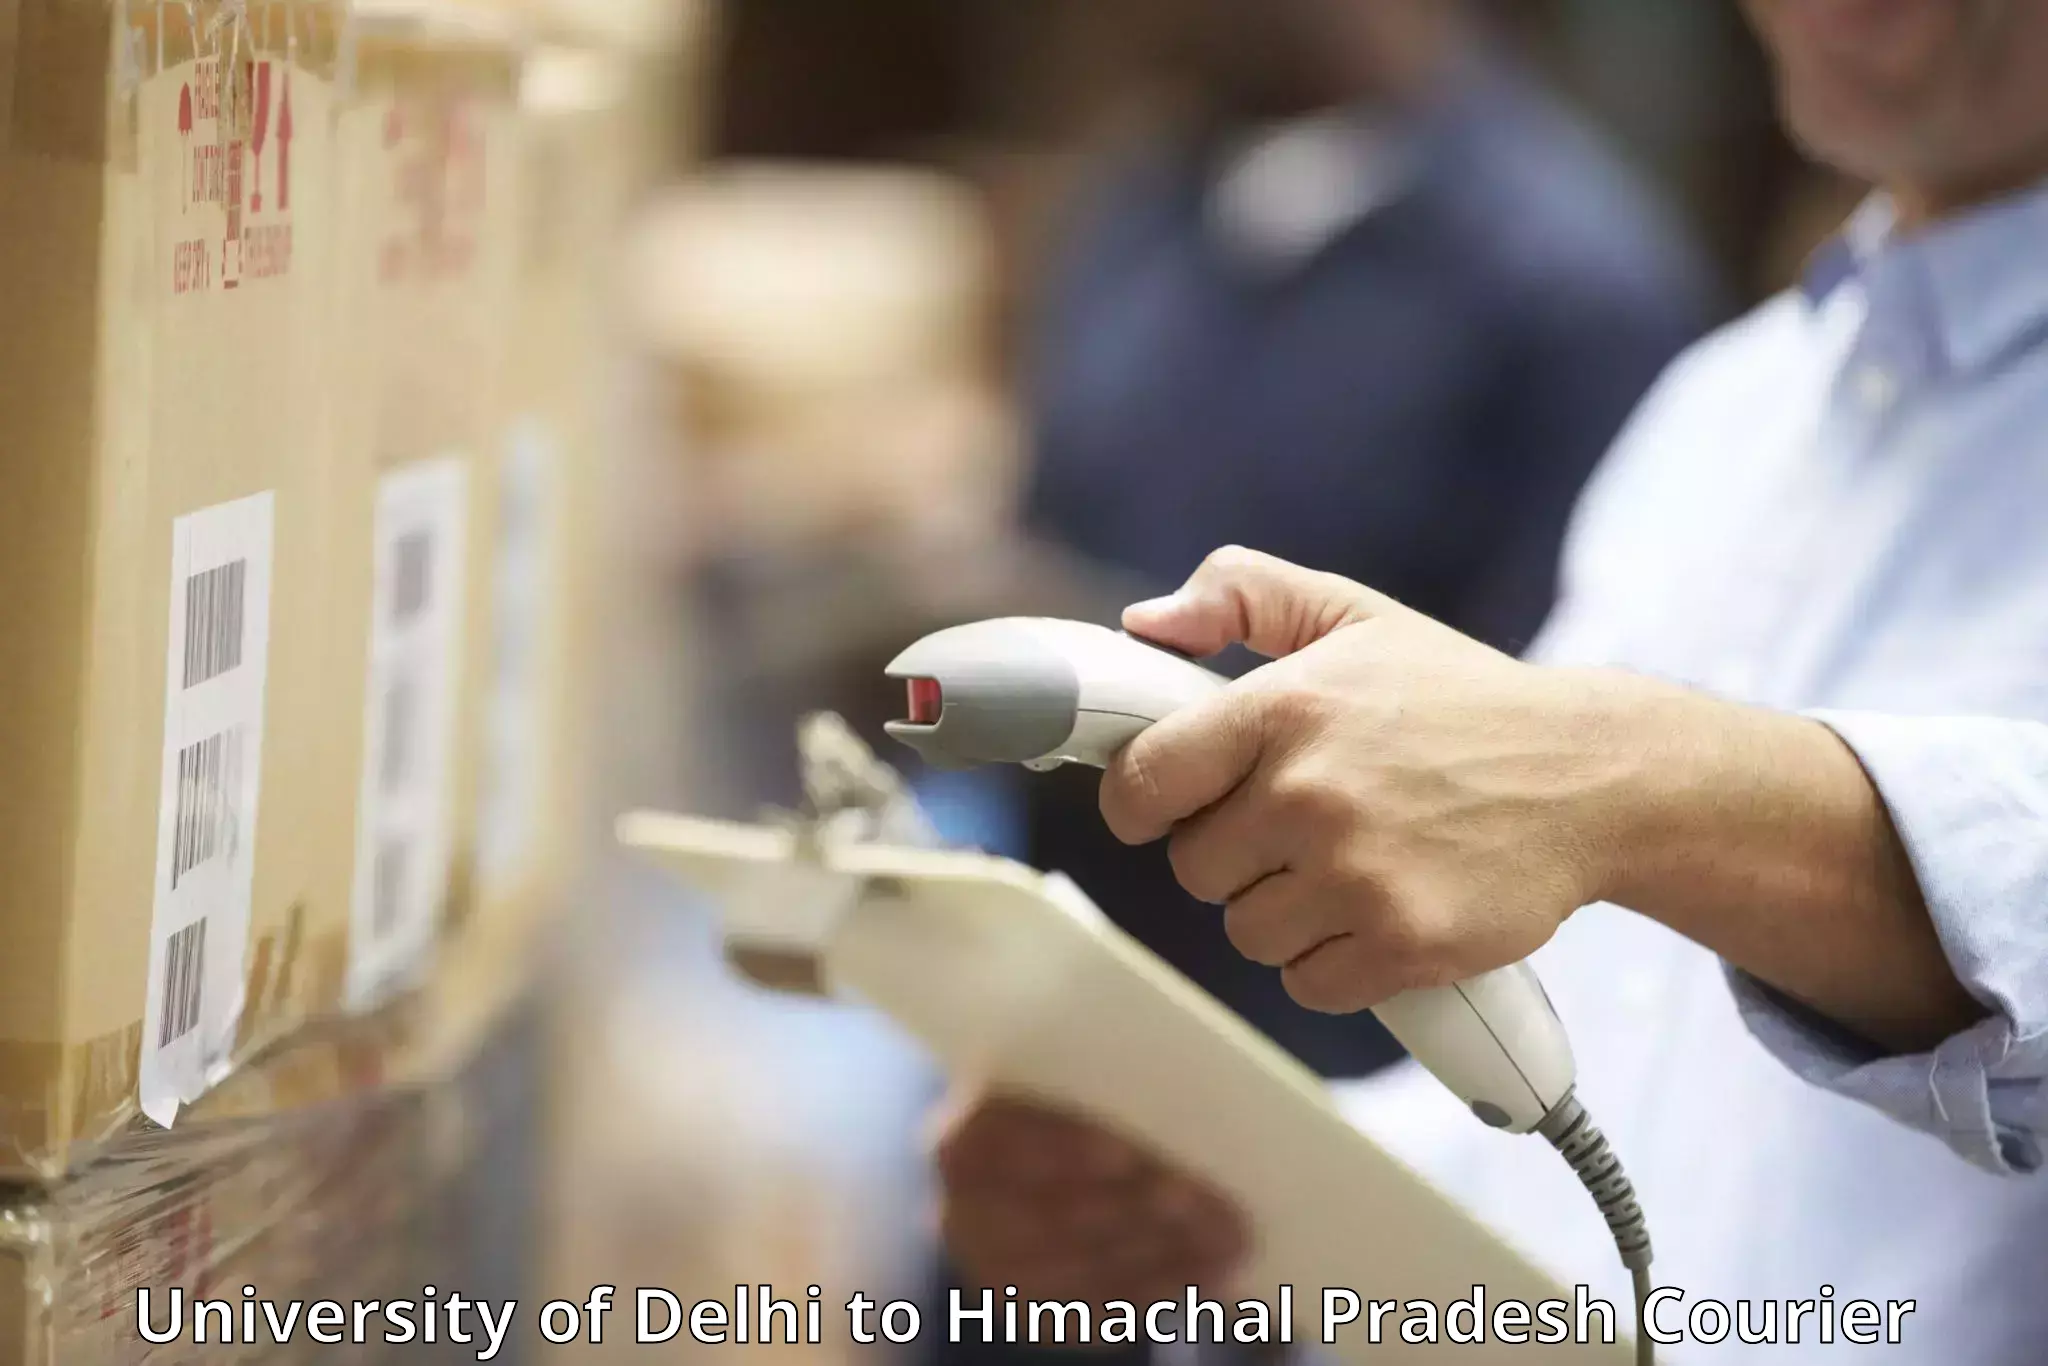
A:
x: 1046, y: 693
x: 1043, y: 693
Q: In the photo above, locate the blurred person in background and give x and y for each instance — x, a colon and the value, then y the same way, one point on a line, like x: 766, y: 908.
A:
x: 1376, y: 302
x: 1829, y: 516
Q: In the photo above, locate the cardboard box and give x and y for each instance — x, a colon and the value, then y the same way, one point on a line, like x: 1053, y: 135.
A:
x: 536, y: 658
x: 167, y: 541
x: 663, y: 50
x: 254, y: 439
x: 427, y: 160
x: 597, y: 86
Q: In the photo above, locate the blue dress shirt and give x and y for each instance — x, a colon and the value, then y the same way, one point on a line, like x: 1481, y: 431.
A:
x: 1946, y: 388
x: 1838, y: 506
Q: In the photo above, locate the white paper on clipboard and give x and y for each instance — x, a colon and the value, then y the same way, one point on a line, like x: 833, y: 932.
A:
x: 1016, y: 980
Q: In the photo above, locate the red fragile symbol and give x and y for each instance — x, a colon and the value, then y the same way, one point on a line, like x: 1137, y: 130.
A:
x: 284, y: 143
x: 259, y: 128
x: 185, y: 109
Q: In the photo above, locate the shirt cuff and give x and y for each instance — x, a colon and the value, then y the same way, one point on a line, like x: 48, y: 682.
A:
x: 1970, y: 800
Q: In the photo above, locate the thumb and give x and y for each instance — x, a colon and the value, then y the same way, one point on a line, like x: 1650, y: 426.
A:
x: 1244, y: 597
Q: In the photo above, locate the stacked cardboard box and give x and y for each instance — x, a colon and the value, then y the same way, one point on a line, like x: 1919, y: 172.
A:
x: 537, y: 647
x: 267, y: 654
x: 598, y: 87
x: 427, y: 166
x: 272, y: 667
x: 302, y: 469
x: 168, y: 544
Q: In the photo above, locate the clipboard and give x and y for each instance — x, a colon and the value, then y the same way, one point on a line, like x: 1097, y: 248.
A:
x: 1014, y: 980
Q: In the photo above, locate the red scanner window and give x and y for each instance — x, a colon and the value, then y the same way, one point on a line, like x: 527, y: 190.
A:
x: 926, y: 701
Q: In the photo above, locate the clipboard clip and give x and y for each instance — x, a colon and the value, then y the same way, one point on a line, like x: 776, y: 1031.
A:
x: 776, y: 933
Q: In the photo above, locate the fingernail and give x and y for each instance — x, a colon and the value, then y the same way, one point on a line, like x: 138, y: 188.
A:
x: 1152, y: 607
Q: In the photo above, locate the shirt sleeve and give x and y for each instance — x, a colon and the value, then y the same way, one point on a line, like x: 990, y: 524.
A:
x: 1970, y: 800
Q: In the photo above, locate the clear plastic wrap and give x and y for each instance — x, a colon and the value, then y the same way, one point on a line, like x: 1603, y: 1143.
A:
x: 366, y: 1189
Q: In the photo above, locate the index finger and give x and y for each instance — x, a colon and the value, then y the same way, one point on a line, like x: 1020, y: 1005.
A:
x: 1244, y: 597
x: 1178, y: 766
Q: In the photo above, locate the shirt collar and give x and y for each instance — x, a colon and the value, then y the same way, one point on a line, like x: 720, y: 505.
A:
x: 1289, y: 191
x: 1981, y: 277
x: 1286, y: 192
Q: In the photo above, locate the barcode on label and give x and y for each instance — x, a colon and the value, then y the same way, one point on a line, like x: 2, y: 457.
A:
x: 411, y: 575
x: 400, y: 705
x: 209, y: 781
x: 406, y: 777
x: 184, y: 983
x: 387, y: 886
x: 214, y: 601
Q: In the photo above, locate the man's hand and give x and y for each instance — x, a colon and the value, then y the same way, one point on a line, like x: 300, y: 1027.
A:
x: 1064, y: 1210
x: 1389, y: 805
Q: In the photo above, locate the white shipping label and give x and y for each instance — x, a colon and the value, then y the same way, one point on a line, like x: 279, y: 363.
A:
x: 523, y: 599
x: 403, y: 836
x: 206, y: 810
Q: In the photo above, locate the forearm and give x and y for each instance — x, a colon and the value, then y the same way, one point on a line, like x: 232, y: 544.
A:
x: 1760, y: 836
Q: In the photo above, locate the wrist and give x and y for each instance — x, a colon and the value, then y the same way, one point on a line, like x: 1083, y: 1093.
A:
x: 1674, y: 776
x: 1760, y: 836
x: 1714, y: 803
